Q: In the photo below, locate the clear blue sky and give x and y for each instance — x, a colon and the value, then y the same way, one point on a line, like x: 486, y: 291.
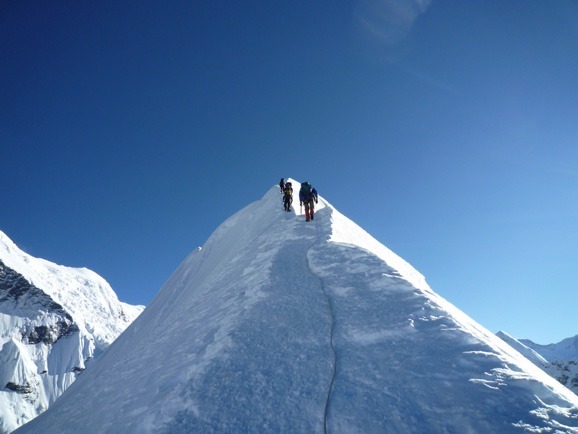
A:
x: 130, y: 130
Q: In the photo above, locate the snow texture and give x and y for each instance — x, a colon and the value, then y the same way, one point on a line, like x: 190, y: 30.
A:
x: 281, y: 325
x: 53, y: 319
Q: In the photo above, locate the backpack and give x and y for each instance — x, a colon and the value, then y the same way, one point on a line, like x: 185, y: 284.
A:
x: 305, y: 194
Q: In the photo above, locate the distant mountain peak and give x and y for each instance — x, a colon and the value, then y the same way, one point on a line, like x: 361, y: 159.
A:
x: 559, y: 360
x: 48, y: 315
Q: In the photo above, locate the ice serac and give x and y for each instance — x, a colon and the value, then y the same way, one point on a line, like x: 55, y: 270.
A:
x: 53, y: 319
x: 279, y: 325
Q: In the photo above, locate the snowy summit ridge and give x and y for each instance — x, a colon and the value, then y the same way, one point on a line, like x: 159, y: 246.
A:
x: 52, y: 320
x: 278, y: 325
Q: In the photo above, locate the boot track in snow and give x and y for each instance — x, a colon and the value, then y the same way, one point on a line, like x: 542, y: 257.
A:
x: 332, y: 321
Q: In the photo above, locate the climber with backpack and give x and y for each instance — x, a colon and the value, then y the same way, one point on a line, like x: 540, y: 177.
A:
x: 287, y: 196
x: 282, y: 185
x: 308, y: 196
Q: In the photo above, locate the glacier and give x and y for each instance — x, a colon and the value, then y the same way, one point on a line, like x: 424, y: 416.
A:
x: 281, y: 325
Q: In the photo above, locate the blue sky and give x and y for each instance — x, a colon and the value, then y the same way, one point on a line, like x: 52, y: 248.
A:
x: 446, y: 129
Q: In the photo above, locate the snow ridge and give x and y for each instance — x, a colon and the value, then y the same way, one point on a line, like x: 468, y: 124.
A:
x: 278, y: 325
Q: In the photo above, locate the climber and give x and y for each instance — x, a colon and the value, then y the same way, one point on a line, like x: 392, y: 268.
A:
x: 287, y: 196
x: 307, y: 197
x: 282, y: 185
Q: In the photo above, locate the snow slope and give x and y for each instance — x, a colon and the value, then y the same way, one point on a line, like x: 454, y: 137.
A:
x: 52, y: 320
x: 278, y: 325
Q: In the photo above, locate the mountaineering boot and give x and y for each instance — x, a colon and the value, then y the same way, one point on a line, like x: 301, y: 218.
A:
x: 306, y: 215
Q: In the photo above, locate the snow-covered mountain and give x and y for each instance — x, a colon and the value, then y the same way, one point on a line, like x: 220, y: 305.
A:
x: 52, y: 320
x: 560, y: 360
x: 566, y: 349
x: 278, y: 325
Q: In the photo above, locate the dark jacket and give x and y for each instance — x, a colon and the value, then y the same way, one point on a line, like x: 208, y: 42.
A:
x: 305, y: 196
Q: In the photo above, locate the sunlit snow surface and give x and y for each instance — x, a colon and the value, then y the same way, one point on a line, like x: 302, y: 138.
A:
x: 281, y: 325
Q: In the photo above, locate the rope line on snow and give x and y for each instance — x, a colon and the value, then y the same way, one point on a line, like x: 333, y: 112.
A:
x: 331, y: 328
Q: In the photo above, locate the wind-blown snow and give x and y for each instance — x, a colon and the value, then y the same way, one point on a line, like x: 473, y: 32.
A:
x: 278, y: 325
